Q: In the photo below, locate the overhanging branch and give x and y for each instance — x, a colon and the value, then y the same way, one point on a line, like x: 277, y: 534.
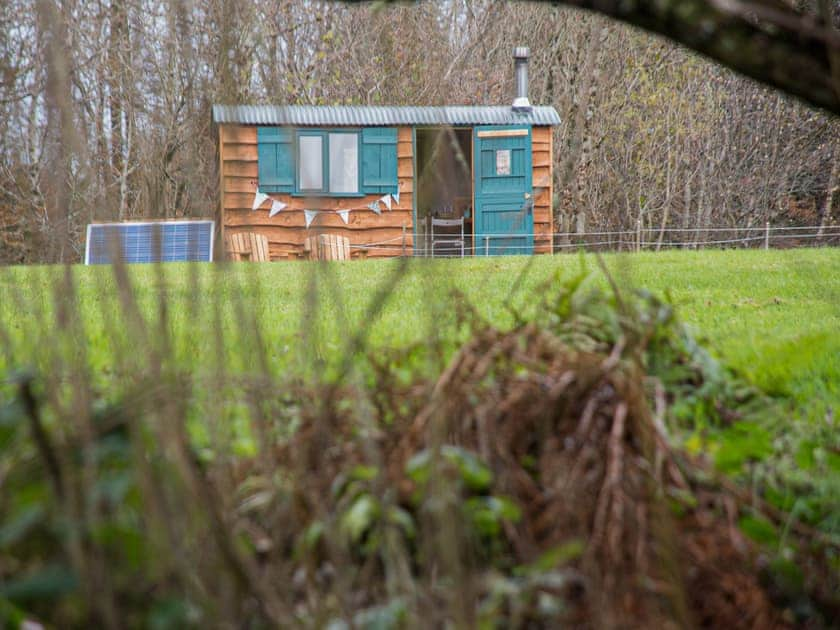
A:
x: 767, y: 41
x: 777, y: 46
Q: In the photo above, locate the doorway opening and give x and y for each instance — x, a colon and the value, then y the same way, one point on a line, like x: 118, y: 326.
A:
x: 444, y: 191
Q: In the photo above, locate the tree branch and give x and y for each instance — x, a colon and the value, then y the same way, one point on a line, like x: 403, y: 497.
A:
x: 778, y: 47
x: 761, y: 39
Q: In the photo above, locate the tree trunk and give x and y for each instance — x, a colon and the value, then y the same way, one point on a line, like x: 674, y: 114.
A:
x: 118, y: 34
x: 827, y: 214
x: 58, y: 141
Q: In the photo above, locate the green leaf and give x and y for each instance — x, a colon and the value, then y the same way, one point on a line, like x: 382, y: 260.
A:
x: 49, y: 582
x: 403, y: 520
x: 804, y: 457
x: 313, y: 534
x: 386, y: 617
x: 788, y: 574
x: 505, y: 508
x: 741, y: 443
x: 483, y: 519
x: 123, y: 538
x: 308, y: 540
x: 417, y: 467
x: 10, y: 615
x: 759, y: 529
x: 360, y: 517
x: 343, y: 482
x: 554, y: 557
x: 11, y: 417
x: 171, y: 613
x: 364, y: 473
x: 488, y: 513
x: 474, y: 473
x: 113, y: 488
x: 19, y: 525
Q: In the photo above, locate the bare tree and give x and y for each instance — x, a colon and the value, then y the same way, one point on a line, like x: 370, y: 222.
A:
x: 105, y: 107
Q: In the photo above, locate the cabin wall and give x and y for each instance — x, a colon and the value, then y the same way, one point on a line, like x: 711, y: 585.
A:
x: 542, y: 183
x: 287, y: 230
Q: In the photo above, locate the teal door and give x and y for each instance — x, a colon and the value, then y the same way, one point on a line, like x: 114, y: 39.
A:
x: 504, y: 205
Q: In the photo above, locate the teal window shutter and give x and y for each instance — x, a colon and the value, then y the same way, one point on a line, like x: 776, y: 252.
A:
x: 379, y: 160
x: 275, y: 160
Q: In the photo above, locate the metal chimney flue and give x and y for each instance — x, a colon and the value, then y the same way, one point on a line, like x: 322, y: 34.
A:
x: 520, y: 65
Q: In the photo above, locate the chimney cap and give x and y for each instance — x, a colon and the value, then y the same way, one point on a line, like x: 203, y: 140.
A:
x: 521, y: 52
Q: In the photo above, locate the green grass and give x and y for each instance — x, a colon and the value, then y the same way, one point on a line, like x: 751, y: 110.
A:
x: 774, y: 315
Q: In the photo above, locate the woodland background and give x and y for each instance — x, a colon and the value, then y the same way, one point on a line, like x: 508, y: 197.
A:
x: 105, y: 109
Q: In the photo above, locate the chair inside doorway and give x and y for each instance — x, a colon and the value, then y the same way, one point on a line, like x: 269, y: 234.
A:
x: 447, y: 237
x: 444, y: 191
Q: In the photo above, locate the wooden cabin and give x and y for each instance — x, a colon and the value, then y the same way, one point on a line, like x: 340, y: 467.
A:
x: 389, y: 178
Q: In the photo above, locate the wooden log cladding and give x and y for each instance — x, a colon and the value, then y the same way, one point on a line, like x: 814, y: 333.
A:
x: 239, y: 134
x: 542, y: 182
x: 289, y: 243
x: 238, y: 168
x: 243, y: 152
x: 244, y: 201
x: 294, y: 237
x: 405, y: 167
x: 238, y: 184
x: 541, y: 177
x: 542, y: 158
x: 286, y: 230
x: 542, y: 214
x: 359, y: 220
x: 278, y: 251
x: 541, y: 134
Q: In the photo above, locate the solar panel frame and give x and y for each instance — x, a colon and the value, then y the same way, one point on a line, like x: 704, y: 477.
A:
x: 137, y: 241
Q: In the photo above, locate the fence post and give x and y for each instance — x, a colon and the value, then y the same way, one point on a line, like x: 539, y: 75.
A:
x: 638, y: 235
x: 403, y: 240
x: 767, y: 235
x: 580, y: 228
x: 486, y: 245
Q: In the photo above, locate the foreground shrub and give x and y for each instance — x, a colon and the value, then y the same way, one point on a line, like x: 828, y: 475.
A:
x: 533, y: 481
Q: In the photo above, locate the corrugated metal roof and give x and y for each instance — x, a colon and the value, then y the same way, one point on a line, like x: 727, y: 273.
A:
x: 368, y: 116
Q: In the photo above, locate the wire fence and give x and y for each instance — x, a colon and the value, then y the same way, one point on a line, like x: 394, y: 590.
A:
x: 642, y: 239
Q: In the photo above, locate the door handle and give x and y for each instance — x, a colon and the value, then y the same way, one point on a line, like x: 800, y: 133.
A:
x: 527, y: 195
x: 528, y: 206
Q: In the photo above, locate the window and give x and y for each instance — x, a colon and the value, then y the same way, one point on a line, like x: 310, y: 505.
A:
x: 328, y: 162
x: 310, y: 162
x: 344, y: 162
x: 338, y: 162
x: 503, y: 162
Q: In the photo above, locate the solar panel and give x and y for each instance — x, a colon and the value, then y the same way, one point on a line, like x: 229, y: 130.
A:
x: 145, y: 242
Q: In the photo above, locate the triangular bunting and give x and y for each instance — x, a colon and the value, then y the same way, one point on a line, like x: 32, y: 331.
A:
x: 345, y: 215
x: 386, y: 199
x: 396, y: 196
x: 310, y: 215
x: 259, y: 198
x: 276, y: 206
x: 374, y: 205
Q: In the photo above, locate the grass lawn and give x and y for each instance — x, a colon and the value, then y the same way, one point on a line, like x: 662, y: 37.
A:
x: 775, y: 315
